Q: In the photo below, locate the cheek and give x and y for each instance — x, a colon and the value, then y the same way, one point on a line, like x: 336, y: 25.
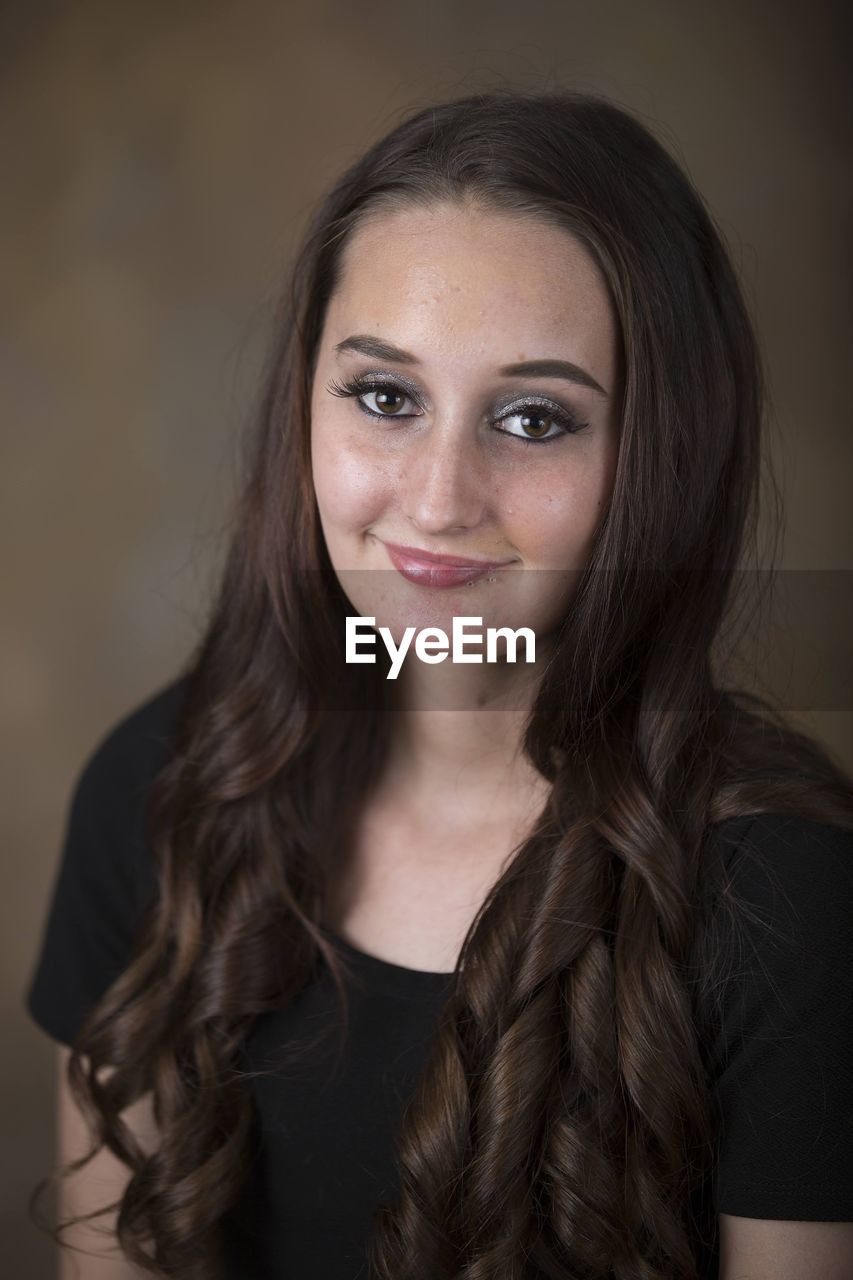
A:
x: 351, y: 487
x: 555, y: 525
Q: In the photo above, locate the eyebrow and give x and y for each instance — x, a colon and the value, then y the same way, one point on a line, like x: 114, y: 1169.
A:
x: 366, y: 344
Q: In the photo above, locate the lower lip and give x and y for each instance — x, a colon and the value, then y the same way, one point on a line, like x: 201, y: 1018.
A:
x: 427, y: 573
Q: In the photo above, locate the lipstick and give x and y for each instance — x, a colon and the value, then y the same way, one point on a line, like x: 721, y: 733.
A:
x: 429, y: 570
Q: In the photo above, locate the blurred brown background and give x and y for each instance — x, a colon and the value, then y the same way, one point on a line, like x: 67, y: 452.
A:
x: 158, y: 162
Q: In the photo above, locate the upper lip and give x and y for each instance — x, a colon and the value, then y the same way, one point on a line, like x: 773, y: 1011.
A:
x: 418, y: 553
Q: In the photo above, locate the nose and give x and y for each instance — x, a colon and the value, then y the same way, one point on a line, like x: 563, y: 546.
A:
x: 442, y: 482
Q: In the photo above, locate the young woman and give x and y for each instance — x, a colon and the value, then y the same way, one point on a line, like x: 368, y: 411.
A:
x: 492, y: 969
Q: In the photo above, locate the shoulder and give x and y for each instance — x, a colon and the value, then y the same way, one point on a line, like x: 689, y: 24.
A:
x: 780, y: 1049
x: 777, y: 925
x: 128, y: 754
x: 780, y: 931
x: 105, y: 876
x: 106, y: 831
x: 796, y: 869
x: 786, y: 834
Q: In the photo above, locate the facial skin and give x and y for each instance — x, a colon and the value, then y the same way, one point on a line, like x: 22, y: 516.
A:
x: 465, y: 291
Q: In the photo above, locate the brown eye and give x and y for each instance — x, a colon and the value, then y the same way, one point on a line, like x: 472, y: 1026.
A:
x: 388, y: 400
x: 536, y: 421
x: 535, y: 424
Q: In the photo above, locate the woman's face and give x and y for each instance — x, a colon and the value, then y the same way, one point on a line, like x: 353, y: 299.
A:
x: 487, y: 348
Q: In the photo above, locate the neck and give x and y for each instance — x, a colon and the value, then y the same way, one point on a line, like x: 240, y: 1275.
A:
x: 457, y: 738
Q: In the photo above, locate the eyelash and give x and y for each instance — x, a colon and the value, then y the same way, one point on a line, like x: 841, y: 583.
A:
x: 358, y: 386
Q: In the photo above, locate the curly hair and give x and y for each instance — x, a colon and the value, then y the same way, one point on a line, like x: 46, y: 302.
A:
x: 565, y: 1080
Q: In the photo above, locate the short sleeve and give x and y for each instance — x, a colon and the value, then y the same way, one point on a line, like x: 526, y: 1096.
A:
x: 782, y: 1058
x: 105, y: 875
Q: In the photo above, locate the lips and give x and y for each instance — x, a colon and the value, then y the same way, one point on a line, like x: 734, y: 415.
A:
x: 427, y: 569
x: 430, y: 557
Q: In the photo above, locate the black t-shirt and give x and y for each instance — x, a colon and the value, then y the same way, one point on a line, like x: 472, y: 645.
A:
x: 779, y: 1053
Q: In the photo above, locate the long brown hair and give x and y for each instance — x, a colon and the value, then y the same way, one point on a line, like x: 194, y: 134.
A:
x: 569, y: 1015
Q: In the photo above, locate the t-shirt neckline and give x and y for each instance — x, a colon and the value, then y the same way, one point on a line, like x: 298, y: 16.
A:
x: 374, y: 968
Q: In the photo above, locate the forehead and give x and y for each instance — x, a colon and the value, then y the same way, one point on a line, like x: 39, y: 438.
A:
x: 481, y: 280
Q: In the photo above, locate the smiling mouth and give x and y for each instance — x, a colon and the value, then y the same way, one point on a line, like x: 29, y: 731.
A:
x: 431, y: 558
x: 426, y: 570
